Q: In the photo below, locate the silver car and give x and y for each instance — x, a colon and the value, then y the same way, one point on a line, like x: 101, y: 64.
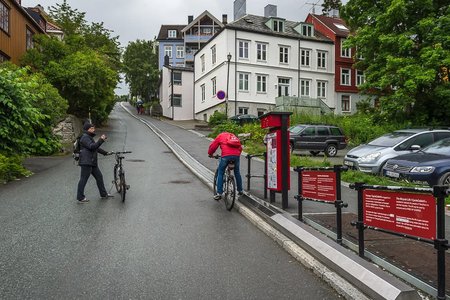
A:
x: 371, y: 157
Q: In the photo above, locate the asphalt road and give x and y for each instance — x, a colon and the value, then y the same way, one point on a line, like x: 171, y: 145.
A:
x: 169, y: 240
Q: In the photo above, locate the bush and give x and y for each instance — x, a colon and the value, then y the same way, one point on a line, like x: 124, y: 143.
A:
x: 217, y: 118
x: 11, y: 168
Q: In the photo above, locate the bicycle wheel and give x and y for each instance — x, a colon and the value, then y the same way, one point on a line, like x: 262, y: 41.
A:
x: 117, y: 178
x: 230, y: 192
x: 123, y: 187
x: 215, y: 182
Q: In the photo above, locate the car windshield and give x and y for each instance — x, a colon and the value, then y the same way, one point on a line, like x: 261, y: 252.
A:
x: 441, y: 147
x: 296, y: 129
x: 390, y: 139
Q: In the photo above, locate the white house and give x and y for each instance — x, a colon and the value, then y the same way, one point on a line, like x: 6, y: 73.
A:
x: 270, y: 57
x: 176, y: 92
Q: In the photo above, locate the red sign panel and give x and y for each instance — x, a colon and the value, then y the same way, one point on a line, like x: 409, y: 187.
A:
x: 319, y: 185
x: 401, y: 212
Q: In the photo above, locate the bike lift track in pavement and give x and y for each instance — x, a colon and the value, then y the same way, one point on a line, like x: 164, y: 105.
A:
x: 350, y: 275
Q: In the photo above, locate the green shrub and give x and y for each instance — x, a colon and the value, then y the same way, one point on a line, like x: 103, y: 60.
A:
x: 11, y: 168
x: 217, y: 118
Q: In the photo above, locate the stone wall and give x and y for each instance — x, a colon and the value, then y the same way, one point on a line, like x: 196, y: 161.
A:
x: 67, y: 130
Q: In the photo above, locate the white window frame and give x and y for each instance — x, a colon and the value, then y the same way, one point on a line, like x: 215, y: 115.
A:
x: 360, y: 77
x: 322, y: 59
x: 261, y: 51
x: 214, y: 86
x: 177, y: 82
x: 349, y: 109
x: 168, y: 51
x: 322, y: 89
x: 180, y: 51
x: 179, y: 98
x: 243, y: 110
x: 284, y: 55
x: 346, y: 75
x: 243, y: 49
x: 305, y: 87
x: 307, y: 30
x: 171, y: 33
x: 278, y: 25
x: 213, y: 54
x: 202, y: 61
x: 203, y: 90
x: 244, y: 82
x: 345, y: 52
x: 284, y: 82
x: 261, y: 83
x: 305, y: 57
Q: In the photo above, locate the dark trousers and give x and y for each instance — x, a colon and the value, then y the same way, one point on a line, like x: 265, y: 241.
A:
x: 86, y: 171
x: 237, y: 173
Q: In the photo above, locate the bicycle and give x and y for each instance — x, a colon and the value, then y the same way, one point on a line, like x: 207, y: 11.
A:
x: 229, y: 184
x: 119, y: 175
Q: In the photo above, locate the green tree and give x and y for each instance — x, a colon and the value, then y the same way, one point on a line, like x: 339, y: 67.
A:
x: 405, y: 46
x: 329, y: 5
x: 140, y: 66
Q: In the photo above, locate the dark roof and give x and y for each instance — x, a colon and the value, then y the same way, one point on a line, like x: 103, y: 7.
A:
x: 257, y: 24
x: 27, y: 15
x: 163, y: 32
x: 335, y: 24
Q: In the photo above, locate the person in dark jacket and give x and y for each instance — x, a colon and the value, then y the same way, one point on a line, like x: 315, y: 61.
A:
x: 88, y: 162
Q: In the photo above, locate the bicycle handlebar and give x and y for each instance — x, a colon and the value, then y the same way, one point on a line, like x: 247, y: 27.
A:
x: 217, y: 156
x: 120, y: 152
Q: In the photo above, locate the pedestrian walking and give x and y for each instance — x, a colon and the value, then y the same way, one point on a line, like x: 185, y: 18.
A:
x: 88, y: 162
x: 231, y: 148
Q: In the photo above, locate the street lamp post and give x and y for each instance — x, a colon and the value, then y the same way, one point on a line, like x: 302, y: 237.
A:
x: 228, y: 81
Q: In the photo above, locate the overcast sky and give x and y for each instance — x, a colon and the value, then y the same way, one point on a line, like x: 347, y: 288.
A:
x: 142, y: 19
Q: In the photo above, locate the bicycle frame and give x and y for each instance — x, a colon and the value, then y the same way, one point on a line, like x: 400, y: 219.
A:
x: 229, y: 184
x: 119, y: 174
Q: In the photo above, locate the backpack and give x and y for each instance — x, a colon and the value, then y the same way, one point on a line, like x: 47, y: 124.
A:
x: 76, y: 148
x: 233, y: 141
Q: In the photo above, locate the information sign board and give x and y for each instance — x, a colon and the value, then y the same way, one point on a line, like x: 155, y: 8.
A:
x: 319, y: 185
x: 408, y: 213
x: 272, y: 155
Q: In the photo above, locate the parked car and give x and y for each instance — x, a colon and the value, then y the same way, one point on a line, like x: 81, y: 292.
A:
x: 317, y: 138
x: 371, y: 157
x: 430, y: 165
x: 243, y: 119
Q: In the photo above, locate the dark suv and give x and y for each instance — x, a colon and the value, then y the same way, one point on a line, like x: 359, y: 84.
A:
x: 317, y: 138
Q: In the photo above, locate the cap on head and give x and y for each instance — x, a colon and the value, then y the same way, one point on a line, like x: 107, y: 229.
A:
x: 87, y: 125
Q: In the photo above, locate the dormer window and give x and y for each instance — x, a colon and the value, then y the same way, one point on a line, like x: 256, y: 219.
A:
x: 278, y: 25
x: 305, y: 29
x: 172, y: 34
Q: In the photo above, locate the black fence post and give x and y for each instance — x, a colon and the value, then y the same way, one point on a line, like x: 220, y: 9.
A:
x: 265, y: 175
x: 359, y: 186
x: 249, y: 159
x: 338, y: 204
x: 299, y: 193
x: 440, y: 244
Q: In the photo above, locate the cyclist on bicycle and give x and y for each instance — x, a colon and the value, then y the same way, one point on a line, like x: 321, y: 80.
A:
x: 231, y: 149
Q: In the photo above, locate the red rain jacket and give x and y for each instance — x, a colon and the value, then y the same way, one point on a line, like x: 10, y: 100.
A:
x: 227, y: 150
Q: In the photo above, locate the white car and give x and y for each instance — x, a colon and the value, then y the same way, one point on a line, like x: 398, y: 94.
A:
x: 371, y: 157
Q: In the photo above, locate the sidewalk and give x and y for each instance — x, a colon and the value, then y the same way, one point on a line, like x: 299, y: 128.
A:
x: 414, y: 259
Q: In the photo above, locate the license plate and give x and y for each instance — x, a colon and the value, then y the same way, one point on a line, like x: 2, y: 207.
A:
x: 392, y: 174
x: 348, y: 163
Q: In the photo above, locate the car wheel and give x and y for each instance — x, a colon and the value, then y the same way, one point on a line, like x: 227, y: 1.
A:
x: 331, y: 150
x: 314, y: 153
x: 445, y: 179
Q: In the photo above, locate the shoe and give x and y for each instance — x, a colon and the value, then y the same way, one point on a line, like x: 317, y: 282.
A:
x: 240, y: 193
x: 217, y: 197
x: 84, y: 200
x: 107, y: 196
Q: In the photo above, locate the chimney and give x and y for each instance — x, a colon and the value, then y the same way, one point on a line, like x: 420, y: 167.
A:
x: 166, y: 60
x: 239, y: 8
x: 224, y: 19
x: 270, y: 11
x: 190, y: 19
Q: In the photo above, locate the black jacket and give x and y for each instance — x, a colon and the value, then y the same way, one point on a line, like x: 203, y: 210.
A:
x: 89, y: 149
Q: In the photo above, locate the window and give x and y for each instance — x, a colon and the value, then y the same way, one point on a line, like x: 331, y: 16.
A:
x: 307, y: 30
x: 243, y: 110
x: 305, y: 57
x: 261, y: 83
x: 284, y: 55
x: 172, y: 34
x: 278, y: 25
x: 168, y: 51
x: 323, y: 131
x: 261, y: 52
x: 305, y: 87
x: 214, y: 86
x: 213, y: 54
x: 177, y: 78
x: 202, y: 60
x: 243, y: 49
x: 261, y: 111
x: 284, y: 86
x: 180, y: 51
x: 345, y: 52
x: 345, y: 76
x: 202, y: 87
x: 345, y: 103
x: 4, y: 17
x: 29, y: 39
x: 321, y: 89
x: 3, y: 57
x: 321, y: 59
x: 207, y: 31
x: 176, y: 100
x: 360, y: 77
x: 243, y: 82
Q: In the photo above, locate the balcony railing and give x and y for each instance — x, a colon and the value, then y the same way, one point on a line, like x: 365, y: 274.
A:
x: 315, y: 106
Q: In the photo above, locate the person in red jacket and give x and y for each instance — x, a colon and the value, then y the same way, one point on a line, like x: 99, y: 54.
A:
x: 231, y: 149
